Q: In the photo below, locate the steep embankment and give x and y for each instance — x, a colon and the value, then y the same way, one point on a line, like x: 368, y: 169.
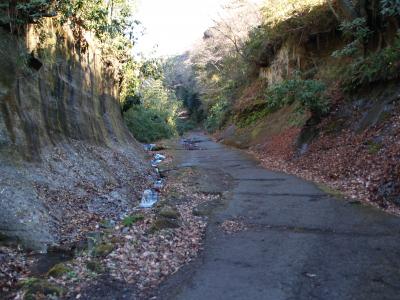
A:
x: 66, y: 158
x: 354, y: 148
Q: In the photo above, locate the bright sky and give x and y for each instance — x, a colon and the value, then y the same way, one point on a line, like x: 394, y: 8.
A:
x: 174, y: 25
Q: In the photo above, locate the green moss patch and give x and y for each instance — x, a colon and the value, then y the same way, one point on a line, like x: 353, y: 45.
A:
x: 374, y: 148
x: 331, y: 191
x: 102, y: 250
x: 36, y: 288
x: 169, y: 213
x: 58, y: 270
x: 129, y: 221
x: 95, y: 266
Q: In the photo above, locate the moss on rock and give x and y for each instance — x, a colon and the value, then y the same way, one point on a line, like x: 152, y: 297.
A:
x: 36, y: 288
x: 169, y: 213
x: 102, y: 250
x: 95, y: 266
x: 58, y: 270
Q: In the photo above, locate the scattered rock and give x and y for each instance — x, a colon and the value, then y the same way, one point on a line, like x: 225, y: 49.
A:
x: 169, y: 213
x: 103, y: 250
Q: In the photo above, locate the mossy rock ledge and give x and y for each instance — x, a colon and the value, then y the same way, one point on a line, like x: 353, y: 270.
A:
x: 58, y: 270
x: 36, y: 288
x: 102, y: 250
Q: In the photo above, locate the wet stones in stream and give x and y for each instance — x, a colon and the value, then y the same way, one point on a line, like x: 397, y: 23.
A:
x: 190, y: 144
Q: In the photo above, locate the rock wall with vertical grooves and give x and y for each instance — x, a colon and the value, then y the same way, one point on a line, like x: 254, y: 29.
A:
x: 64, y: 149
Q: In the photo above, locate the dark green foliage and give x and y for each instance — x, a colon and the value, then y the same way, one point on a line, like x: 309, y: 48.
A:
x: 309, y: 94
x: 252, y: 117
x: 185, y: 125
x: 390, y: 7
x: 18, y: 13
x: 105, y: 18
x: 359, y: 33
x: 179, y: 76
x: 151, y: 69
x: 148, y: 125
x: 383, y: 65
x: 129, y: 102
x: 156, y: 115
x: 217, y: 116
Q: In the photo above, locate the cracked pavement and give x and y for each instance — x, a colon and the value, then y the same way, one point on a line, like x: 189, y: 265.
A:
x: 300, y: 243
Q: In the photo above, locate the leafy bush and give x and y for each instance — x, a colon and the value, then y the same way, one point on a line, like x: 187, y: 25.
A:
x: 17, y: 13
x: 380, y: 66
x: 359, y: 33
x: 155, y: 117
x: 106, y: 19
x: 148, y: 125
x: 217, y: 116
x: 185, y: 125
x: 309, y: 94
x: 252, y: 117
x: 390, y: 7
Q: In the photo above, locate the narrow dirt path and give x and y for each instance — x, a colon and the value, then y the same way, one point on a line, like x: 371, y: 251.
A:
x: 299, y: 243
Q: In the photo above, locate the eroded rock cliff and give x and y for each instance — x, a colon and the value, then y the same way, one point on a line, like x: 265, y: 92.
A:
x: 67, y: 161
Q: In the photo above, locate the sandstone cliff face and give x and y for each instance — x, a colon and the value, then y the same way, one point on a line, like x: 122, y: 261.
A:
x: 64, y: 150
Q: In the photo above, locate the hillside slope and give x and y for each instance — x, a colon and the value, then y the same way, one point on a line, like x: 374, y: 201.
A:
x: 66, y: 157
x: 323, y: 101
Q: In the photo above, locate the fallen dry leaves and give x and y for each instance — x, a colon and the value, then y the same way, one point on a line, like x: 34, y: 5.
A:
x: 233, y: 226
x: 363, y: 166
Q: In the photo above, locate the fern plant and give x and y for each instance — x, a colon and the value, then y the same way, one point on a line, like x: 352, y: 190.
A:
x: 309, y: 94
x: 390, y: 8
x: 358, y: 32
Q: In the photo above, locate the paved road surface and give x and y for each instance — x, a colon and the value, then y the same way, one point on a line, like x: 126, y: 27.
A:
x: 301, y: 243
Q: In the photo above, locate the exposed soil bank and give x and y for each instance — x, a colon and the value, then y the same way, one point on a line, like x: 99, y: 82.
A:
x: 355, y: 150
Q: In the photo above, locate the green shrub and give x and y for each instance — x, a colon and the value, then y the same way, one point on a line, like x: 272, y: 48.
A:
x: 390, y: 7
x: 217, y: 116
x: 155, y: 117
x: 148, y: 125
x: 309, y: 94
x: 252, y: 117
x: 380, y: 66
x: 358, y: 32
x: 185, y: 125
